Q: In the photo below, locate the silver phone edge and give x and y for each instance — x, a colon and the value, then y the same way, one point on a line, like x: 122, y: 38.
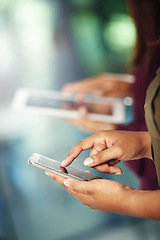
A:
x: 53, y: 171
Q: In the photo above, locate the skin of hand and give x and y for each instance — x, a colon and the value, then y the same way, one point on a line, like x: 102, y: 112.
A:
x: 102, y: 85
x: 92, y: 107
x: 90, y: 126
x: 110, y: 147
x: 110, y: 196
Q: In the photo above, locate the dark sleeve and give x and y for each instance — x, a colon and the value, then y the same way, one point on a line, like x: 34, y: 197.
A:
x: 133, y: 126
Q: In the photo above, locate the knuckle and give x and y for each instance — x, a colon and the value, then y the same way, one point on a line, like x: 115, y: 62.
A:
x: 85, y: 202
x: 78, y: 145
x: 69, y: 154
x: 98, y: 158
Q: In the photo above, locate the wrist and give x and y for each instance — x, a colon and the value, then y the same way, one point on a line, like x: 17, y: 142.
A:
x: 146, y: 143
x: 121, y: 201
x: 126, y: 195
x: 141, y: 204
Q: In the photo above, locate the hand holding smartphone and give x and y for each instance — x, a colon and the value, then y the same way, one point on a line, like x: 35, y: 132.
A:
x: 55, y: 167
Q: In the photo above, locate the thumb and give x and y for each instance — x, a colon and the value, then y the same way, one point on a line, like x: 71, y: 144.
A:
x: 76, y: 185
x: 112, y: 153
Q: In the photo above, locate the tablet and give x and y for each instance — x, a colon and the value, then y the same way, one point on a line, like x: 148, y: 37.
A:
x: 62, y: 105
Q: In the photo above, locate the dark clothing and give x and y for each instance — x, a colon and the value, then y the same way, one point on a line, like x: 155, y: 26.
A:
x: 145, y: 168
x: 152, y: 115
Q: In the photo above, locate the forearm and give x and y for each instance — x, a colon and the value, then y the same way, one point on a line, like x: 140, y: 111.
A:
x: 146, y: 144
x: 143, y: 204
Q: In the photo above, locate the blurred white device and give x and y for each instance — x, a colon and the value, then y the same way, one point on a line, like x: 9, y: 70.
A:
x: 54, y: 103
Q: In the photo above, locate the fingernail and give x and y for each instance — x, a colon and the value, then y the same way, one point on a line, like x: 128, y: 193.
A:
x: 66, y: 183
x: 63, y: 162
x: 88, y: 162
x: 118, y: 173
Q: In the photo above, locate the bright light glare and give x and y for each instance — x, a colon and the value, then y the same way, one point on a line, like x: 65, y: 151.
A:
x: 128, y: 101
x: 6, y: 56
x: 120, y: 33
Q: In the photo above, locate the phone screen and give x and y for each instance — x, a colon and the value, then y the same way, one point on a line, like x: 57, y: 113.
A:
x: 46, y: 102
x: 58, y: 104
x: 50, y: 164
x: 96, y: 107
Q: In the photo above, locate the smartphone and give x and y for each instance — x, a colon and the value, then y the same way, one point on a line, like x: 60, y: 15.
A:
x: 55, y: 167
x: 58, y: 104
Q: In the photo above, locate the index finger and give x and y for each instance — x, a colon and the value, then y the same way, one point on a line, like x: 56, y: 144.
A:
x: 80, y: 146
